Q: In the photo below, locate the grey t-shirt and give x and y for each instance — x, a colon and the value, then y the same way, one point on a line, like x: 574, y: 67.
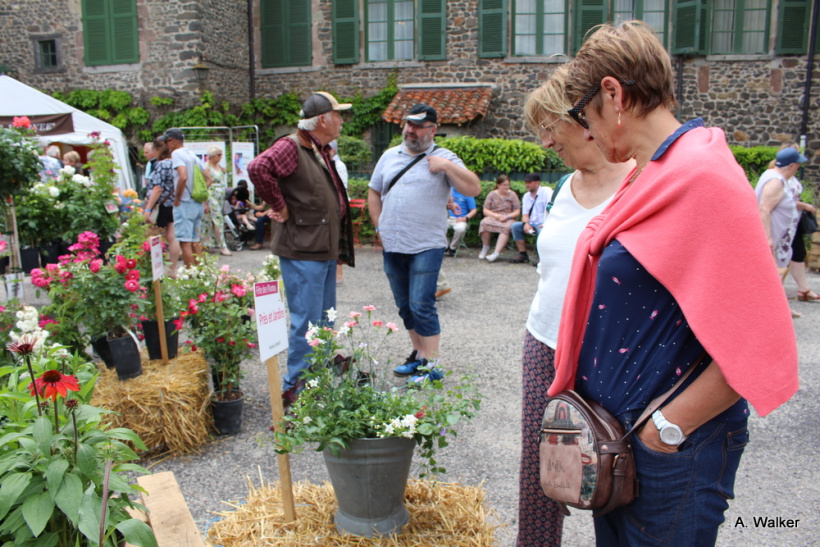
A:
x: 183, y: 156
x: 414, y: 215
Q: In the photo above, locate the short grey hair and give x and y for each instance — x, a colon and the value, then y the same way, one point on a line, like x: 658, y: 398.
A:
x: 53, y: 151
x: 311, y: 123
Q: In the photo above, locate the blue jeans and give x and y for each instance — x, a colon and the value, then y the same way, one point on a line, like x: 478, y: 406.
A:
x: 681, y: 496
x: 518, y: 231
x: 413, y: 282
x: 260, y: 228
x: 310, y: 288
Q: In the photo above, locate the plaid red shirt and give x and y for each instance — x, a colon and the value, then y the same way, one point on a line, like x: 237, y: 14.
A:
x: 279, y: 161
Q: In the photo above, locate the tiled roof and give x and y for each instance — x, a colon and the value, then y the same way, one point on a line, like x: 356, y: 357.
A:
x: 455, y: 105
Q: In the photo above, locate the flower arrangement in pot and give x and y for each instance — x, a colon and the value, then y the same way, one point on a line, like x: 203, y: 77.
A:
x: 107, y: 299
x: 350, y: 411
x: 63, y: 472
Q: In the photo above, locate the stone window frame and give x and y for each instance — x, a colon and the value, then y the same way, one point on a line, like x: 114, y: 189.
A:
x: 36, y: 39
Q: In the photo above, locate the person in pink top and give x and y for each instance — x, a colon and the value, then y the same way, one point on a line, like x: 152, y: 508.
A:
x: 653, y: 288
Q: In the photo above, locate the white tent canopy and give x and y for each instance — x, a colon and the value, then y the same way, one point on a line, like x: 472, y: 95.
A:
x: 18, y: 99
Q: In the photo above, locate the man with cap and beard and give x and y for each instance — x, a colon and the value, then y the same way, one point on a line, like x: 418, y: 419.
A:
x: 408, y: 194
x: 297, y: 178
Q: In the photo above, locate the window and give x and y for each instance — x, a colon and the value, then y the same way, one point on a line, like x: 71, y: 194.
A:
x: 723, y: 27
x: 48, y: 54
x: 286, y: 33
x: 539, y: 27
x: 395, y: 30
x: 110, y: 33
x: 652, y: 12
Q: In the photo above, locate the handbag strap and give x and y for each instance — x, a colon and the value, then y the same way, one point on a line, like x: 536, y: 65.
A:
x: 403, y: 171
x: 658, y: 401
x: 555, y: 192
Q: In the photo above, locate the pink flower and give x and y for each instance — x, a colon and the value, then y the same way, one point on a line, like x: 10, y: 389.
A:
x: 202, y: 297
x: 315, y: 342
x: 133, y: 274
x: 192, y: 305
x: 250, y: 344
x: 178, y: 323
x: 21, y: 122
x: 378, y: 323
x: 231, y: 343
x: 251, y: 311
x: 120, y: 266
x: 238, y: 290
x: 95, y: 265
x: 354, y: 314
x: 369, y: 308
x: 52, y: 269
x: 393, y: 327
x: 350, y: 324
x: 219, y: 296
x: 225, y: 268
x: 140, y: 337
x: 130, y: 263
x: 132, y: 285
x: 220, y: 339
x: 146, y: 246
x: 2, y: 246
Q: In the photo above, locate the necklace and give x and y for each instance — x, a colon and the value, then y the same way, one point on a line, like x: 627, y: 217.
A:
x: 636, y: 175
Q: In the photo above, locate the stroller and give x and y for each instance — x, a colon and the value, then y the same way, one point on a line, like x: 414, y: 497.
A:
x: 235, y: 232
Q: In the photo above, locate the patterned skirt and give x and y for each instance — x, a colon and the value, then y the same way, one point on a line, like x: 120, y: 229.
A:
x: 540, y: 521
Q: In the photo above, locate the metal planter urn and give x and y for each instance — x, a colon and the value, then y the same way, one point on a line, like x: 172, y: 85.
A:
x: 368, y: 480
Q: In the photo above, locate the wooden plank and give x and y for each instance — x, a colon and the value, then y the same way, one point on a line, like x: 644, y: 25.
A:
x: 168, y: 513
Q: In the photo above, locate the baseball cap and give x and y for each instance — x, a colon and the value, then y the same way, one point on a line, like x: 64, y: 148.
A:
x: 532, y: 177
x: 788, y: 156
x: 421, y: 113
x: 172, y: 133
x: 320, y: 103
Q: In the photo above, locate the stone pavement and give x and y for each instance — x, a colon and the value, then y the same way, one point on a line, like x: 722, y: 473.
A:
x: 482, y: 332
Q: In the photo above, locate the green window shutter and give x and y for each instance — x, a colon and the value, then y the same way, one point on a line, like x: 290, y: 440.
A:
x: 492, y: 28
x: 589, y: 13
x: 432, y: 30
x: 124, y: 27
x: 96, y: 33
x: 345, y: 32
x: 299, y: 38
x: 272, y: 31
x: 793, y: 26
x: 691, y: 24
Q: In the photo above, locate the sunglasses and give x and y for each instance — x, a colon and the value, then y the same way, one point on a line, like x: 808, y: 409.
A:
x: 577, y: 111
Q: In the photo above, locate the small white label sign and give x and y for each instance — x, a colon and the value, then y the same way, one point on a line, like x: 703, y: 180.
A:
x: 157, y: 267
x: 271, y: 324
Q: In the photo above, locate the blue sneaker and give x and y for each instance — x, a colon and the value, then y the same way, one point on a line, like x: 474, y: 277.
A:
x: 410, y: 366
x: 430, y: 375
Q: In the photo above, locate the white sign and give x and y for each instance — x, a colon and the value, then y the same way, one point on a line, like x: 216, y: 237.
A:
x: 242, y: 155
x: 201, y: 150
x: 157, y: 267
x: 271, y: 324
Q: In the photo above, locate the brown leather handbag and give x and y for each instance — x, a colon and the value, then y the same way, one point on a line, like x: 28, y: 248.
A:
x: 586, y: 458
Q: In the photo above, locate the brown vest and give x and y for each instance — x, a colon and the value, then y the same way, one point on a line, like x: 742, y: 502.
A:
x: 314, y: 229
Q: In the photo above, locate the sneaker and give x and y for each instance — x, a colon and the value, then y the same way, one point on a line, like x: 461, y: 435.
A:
x: 492, y: 257
x: 409, y: 367
x: 483, y: 254
x: 449, y: 252
x: 520, y: 258
x: 427, y: 376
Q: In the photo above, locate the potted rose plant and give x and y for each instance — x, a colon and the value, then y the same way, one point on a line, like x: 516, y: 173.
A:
x: 356, y: 418
x: 63, y: 472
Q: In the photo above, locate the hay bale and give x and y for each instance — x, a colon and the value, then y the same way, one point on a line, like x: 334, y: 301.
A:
x: 440, y: 514
x: 168, y: 406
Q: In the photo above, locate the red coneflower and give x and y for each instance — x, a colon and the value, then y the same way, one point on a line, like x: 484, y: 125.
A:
x: 23, y: 346
x: 52, y: 383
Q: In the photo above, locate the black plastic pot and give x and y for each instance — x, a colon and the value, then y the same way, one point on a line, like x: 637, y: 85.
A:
x: 151, y: 331
x: 101, y: 348
x: 126, y: 356
x: 228, y: 414
x: 49, y: 254
x: 30, y: 259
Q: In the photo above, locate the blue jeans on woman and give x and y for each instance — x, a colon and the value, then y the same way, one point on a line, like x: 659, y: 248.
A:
x: 681, y: 496
x: 413, y: 279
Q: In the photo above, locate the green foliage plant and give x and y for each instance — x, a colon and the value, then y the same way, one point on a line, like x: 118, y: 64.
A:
x: 62, y: 472
x: 346, y: 396
x: 19, y: 157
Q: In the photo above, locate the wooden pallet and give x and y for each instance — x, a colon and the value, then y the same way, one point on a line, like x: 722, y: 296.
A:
x: 168, y: 513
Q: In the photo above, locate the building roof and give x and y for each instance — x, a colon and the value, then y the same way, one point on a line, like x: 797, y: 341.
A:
x: 454, y: 105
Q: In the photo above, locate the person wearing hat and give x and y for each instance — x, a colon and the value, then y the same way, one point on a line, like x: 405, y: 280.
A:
x: 778, y: 194
x: 297, y: 178
x: 409, y: 190
x: 187, y: 211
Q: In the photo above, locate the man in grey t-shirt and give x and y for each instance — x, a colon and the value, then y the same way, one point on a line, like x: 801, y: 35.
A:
x: 409, y: 213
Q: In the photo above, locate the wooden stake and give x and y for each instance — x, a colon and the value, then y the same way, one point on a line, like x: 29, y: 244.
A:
x: 163, y: 344
x: 275, y: 386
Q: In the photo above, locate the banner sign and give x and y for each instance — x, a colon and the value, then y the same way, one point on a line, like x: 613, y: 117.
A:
x: 242, y: 156
x: 46, y: 124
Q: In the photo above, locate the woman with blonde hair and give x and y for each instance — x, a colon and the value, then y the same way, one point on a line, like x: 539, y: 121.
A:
x: 581, y: 196
x: 212, y: 222
x: 660, y: 279
x: 501, y: 208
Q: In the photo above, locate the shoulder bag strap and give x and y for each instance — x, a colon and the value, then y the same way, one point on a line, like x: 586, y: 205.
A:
x: 658, y: 401
x: 403, y: 171
x: 557, y: 189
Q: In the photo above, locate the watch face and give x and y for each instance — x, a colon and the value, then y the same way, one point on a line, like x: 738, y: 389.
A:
x: 671, y: 435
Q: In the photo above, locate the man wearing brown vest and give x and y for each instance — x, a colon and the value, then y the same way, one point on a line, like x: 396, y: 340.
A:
x: 298, y: 178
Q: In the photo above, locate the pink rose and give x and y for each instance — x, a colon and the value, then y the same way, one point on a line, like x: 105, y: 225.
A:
x: 21, y: 122
x: 95, y: 265
x: 369, y: 308
x: 133, y: 274
x: 192, y: 305
x: 378, y: 323
x: 132, y: 285
x: 178, y: 323
x: 219, y: 297
x: 238, y: 290
x: 130, y: 263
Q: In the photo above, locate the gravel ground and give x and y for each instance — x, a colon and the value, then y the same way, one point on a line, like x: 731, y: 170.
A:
x: 482, y: 333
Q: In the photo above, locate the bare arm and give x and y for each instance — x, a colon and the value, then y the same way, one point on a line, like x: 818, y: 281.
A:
x: 181, y: 184
x: 153, y: 198
x: 705, y: 398
x: 463, y: 180
x: 374, y: 206
x: 769, y: 198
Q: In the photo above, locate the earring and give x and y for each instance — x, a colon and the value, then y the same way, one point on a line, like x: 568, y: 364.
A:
x: 619, y: 119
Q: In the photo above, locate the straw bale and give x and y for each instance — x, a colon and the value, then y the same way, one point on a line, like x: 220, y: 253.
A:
x: 440, y: 514
x: 168, y: 406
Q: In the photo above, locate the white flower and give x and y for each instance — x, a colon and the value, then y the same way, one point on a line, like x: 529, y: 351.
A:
x: 68, y: 171
x: 331, y: 314
x: 343, y: 331
x: 306, y: 420
x: 80, y: 179
x: 312, y: 384
x: 53, y: 191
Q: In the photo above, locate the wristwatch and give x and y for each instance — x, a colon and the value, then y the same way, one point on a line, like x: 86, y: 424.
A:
x: 669, y: 432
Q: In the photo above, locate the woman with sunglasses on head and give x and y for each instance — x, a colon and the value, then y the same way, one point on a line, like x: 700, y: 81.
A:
x: 657, y: 280
x: 584, y: 194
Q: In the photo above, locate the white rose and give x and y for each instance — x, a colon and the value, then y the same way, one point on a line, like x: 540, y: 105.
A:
x: 53, y: 191
x: 68, y: 171
x: 80, y: 179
